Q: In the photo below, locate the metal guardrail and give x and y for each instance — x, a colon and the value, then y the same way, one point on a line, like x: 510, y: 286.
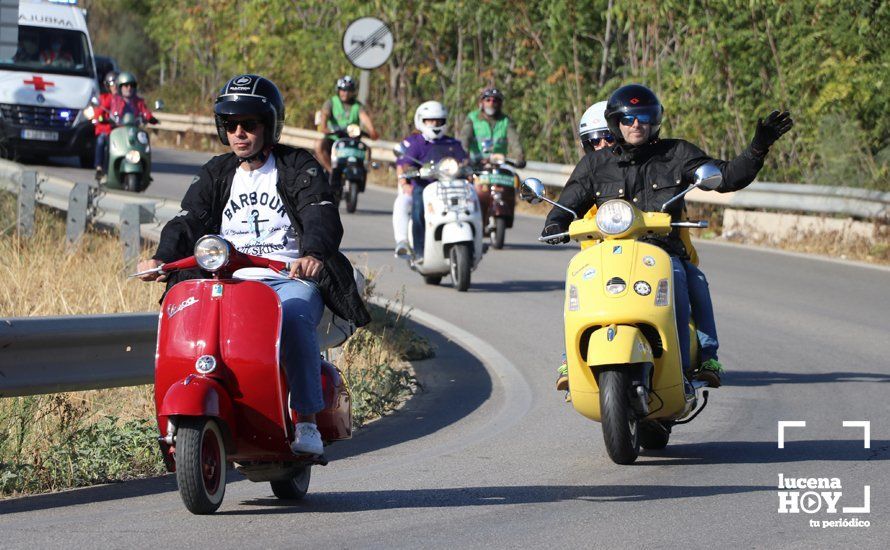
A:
x: 858, y: 203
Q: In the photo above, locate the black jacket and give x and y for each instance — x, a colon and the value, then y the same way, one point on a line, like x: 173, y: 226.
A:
x: 309, y: 204
x: 647, y: 176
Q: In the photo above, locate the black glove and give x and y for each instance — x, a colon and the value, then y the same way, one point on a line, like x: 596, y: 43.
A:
x: 553, y: 229
x: 153, y: 120
x: 769, y: 130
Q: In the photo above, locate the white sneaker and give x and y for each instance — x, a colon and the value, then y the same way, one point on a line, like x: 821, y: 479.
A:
x: 402, y: 249
x: 307, y: 439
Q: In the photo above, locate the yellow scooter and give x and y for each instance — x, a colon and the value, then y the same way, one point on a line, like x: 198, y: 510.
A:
x: 621, y: 340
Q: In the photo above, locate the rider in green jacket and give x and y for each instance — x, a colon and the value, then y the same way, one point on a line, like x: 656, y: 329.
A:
x: 338, y: 112
x: 490, y: 123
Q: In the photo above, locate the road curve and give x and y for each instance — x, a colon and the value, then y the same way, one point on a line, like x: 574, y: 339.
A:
x: 490, y: 455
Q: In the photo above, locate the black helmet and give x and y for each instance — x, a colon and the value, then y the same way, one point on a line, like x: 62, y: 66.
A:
x: 633, y: 99
x: 249, y: 94
x: 491, y: 92
x: 346, y: 83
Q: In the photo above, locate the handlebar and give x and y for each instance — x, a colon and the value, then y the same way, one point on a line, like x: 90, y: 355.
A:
x: 694, y: 225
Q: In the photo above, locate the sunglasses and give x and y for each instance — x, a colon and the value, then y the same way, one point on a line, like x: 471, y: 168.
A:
x: 628, y: 120
x: 248, y: 125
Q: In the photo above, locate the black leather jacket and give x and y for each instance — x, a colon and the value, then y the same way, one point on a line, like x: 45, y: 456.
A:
x: 647, y: 176
x: 309, y: 204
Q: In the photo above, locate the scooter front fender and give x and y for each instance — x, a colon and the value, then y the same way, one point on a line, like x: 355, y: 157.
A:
x: 611, y: 345
x: 197, y: 396
x: 457, y: 232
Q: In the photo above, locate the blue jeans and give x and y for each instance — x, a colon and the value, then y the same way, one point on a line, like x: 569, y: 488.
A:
x: 691, y: 287
x: 418, y: 229
x: 101, y: 156
x: 301, y: 311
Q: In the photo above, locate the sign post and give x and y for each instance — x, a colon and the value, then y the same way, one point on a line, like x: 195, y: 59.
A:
x: 9, y: 28
x: 367, y: 44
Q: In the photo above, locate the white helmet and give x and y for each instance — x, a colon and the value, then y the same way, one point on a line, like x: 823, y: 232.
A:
x: 593, y: 120
x: 431, y: 110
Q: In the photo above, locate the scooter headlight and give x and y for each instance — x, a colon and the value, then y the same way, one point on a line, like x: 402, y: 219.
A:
x: 142, y: 137
x: 133, y: 157
x: 614, y: 217
x: 448, y: 167
x: 353, y: 130
x: 211, y: 252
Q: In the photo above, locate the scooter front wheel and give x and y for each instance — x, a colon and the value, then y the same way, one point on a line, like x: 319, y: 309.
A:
x: 352, y: 197
x: 498, y: 233
x: 294, y: 488
x: 131, y: 182
x: 460, y: 266
x: 200, y: 464
x: 620, y: 424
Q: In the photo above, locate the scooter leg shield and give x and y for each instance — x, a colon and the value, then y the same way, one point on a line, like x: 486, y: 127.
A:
x: 198, y: 396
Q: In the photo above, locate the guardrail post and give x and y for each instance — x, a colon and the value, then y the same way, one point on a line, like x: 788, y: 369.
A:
x: 132, y: 217
x: 78, y: 204
x: 27, y: 204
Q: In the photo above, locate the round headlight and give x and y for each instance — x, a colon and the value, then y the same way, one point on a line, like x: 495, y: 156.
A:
x: 133, y: 157
x: 142, y: 137
x: 448, y: 167
x: 614, y: 217
x: 211, y: 252
x: 353, y: 130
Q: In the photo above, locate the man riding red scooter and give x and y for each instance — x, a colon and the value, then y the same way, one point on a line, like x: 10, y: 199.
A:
x: 232, y: 346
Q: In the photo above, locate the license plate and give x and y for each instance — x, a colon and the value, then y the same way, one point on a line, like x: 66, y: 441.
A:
x: 40, y: 135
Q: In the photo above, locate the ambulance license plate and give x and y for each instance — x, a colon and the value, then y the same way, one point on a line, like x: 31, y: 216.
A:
x: 40, y: 135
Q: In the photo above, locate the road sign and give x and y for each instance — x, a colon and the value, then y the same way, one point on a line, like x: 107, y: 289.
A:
x: 367, y: 43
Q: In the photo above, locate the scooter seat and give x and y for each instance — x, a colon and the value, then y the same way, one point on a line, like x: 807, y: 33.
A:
x: 333, y: 331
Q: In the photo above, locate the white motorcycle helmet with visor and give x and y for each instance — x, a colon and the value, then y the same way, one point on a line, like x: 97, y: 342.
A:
x: 593, y: 127
x: 431, y: 110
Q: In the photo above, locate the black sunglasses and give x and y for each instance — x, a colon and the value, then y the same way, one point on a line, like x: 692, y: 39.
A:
x: 248, y: 125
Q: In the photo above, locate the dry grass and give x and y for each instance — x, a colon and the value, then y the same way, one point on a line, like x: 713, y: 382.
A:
x: 50, y: 442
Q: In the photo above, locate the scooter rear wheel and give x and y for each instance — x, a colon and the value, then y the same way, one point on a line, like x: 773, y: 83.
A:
x: 620, y: 424
x: 294, y: 488
x: 200, y: 464
x: 653, y: 435
x: 432, y: 279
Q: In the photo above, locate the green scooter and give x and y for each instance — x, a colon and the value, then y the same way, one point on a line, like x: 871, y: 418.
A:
x: 129, y: 154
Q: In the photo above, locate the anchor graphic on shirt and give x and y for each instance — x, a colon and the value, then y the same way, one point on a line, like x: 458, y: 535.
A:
x: 253, y: 218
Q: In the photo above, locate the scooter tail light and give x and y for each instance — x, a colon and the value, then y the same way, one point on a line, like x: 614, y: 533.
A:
x: 574, y: 303
x: 662, y: 298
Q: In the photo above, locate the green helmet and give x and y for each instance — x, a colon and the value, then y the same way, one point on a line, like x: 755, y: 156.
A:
x: 126, y: 77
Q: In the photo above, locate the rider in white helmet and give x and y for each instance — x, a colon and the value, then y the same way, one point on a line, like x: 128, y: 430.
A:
x: 593, y: 128
x: 429, y: 144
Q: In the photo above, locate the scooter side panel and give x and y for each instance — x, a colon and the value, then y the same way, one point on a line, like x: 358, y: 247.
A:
x: 589, y: 271
x: 250, y: 326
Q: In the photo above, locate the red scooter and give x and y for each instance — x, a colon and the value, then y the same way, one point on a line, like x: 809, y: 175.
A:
x: 221, y: 395
x: 496, y: 187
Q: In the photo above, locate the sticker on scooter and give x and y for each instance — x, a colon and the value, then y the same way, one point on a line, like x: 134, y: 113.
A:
x: 648, y: 261
x: 616, y: 249
x: 575, y: 273
x: 174, y: 309
x: 589, y: 274
x: 217, y: 291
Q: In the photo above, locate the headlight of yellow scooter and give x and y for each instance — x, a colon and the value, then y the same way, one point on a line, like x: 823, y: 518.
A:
x: 211, y: 252
x: 614, y: 217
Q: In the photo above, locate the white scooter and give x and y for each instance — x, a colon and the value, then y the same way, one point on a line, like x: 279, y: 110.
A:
x: 453, y: 237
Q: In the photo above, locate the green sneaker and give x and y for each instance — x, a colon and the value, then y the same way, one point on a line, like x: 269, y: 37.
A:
x: 562, y: 383
x: 710, y: 372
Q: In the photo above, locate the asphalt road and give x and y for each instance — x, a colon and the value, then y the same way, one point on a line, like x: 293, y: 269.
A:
x: 490, y: 455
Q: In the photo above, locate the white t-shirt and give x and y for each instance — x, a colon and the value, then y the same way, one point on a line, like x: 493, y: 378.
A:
x: 255, y: 221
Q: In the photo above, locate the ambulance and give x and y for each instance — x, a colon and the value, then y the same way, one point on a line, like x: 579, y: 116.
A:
x: 47, y: 85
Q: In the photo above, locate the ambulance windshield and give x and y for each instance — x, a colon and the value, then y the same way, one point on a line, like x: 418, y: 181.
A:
x: 50, y: 50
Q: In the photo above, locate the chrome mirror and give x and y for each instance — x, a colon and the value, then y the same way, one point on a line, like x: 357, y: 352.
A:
x: 159, y: 105
x: 399, y: 150
x: 532, y: 191
x: 708, y: 176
